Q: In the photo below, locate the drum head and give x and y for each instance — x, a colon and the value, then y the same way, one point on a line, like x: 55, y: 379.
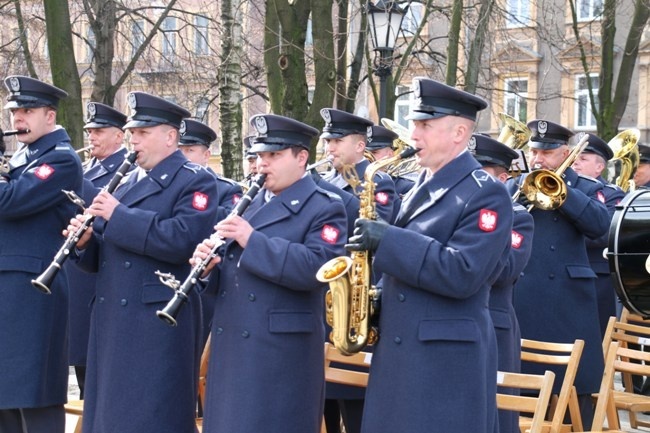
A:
x: 628, y: 252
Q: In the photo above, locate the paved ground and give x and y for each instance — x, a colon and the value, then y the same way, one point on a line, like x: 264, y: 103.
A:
x: 73, y: 394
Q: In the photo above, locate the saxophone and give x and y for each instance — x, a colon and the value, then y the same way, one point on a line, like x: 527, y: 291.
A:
x: 351, y: 299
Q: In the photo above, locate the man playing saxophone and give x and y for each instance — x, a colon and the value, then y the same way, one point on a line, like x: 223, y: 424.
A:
x: 266, y: 357
x: 437, y: 343
x: 555, y: 298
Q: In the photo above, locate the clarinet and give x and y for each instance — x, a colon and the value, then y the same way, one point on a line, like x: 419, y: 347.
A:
x: 44, y: 280
x: 181, y: 291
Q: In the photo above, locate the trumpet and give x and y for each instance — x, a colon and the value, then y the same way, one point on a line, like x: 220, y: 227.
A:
x: 181, y: 291
x: 44, y: 281
x: 545, y: 189
x: 324, y: 161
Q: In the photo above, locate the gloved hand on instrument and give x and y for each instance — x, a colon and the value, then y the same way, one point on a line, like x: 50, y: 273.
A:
x: 367, y: 235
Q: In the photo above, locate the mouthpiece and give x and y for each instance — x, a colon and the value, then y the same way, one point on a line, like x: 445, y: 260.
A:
x: 408, y: 152
x: 15, y: 132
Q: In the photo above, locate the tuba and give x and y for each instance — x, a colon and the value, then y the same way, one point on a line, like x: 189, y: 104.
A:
x: 545, y: 189
x: 351, y: 299
x: 622, y: 166
x: 515, y: 135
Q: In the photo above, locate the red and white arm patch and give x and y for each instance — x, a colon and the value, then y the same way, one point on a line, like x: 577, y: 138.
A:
x: 43, y: 172
x: 600, y: 196
x: 200, y: 201
x: 329, y: 234
x: 381, y: 198
x: 487, y: 220
x: 517, y: 240
x: 235, y: 198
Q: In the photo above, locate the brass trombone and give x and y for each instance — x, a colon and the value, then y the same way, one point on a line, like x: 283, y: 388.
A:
x: 545, y: 189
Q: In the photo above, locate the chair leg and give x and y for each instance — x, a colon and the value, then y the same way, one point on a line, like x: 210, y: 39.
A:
x: 77, y: 428
x: 574, y: 411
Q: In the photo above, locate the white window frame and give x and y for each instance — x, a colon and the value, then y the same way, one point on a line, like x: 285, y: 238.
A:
x: 403, y: 100
x: 202, y: 112
x: 168, y: 28
x: 583, y: 103
x: 518, y: 13
x: 587, y: 10
x: 413, y: 18
x: 515, y: 98
x: 137, y: 35
x: 90, y: 44
x: 201, y: 45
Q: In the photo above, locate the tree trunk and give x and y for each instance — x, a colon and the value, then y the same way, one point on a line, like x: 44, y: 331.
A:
x: 230, y: 119
x: 64, y: 68
x: 476, y: 46
x: 454, y: 42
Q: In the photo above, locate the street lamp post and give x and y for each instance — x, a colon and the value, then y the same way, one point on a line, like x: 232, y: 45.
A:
x: 385, y: 22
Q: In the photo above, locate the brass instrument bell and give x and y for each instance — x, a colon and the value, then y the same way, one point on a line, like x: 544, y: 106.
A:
x: 622, y: 166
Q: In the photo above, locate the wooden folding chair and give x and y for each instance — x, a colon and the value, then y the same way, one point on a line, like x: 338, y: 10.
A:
x: 557, y: 354
x: 535, y: 405
x: 335, y: 374
x: 630, y: 332
x: 75, y: 407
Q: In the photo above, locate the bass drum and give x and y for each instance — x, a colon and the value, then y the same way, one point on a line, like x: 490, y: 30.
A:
x: 629, y: 250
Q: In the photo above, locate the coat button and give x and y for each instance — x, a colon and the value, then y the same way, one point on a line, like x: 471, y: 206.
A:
x: 101, y: 299
x: 552, y: 247
x: 219, y: 330
x: 123, y: 302
x: 223, y: 293
x: 245, y: 334
x: 397, y: 340
x: 251, y: 297
x: 103, y: 263
x: 231, y: 256
x: 551, y: 276
x: 127, y: 265
x: 555, y: 219
x: 401, y: 297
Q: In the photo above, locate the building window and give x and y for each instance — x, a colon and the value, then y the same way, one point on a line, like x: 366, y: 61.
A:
x: 413, y: 18
x: 168, y: 28
x: 404, y: 97
x: 516, y: 93
x: 589, y: 9
x: 202, y: 110
x: 309, y: 37
x: 137, y: 36
x: 91, y: 44
x: 201, y: 35
x: 584, y: 116
x: 518, y: 13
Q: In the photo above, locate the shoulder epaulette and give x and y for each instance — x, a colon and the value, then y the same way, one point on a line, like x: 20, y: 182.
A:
x: 518, y: 207
x: 193, y: 167
x: 225, y: 179
x: 481, y: 176
x: 329, y: 194
x: 592, y: 179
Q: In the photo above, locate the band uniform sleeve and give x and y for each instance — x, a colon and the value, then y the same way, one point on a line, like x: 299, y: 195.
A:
x: 385, y: 197
x: 583, y: 208
x: 521, y: 247
x: 172, y: 237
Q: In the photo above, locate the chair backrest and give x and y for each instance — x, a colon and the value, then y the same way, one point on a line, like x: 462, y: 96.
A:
x: 559, y: 354
x: 343, y: 376
x: 535, y: 405
x: 631, y: 331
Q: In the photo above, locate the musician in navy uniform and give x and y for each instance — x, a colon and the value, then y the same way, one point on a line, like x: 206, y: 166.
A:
x: 251, y: 161
x: 195, y: 141
x: 381, y: 145
x: 105, y: 135
x: 592, y: 162
x: 555, y: 298
x: 142, y: 374
x: 496, y: 158
x: 437, y: 344
x: 266, y: 363
x: 33, y: 211
x: 642, y: 173
x: 345, y: 144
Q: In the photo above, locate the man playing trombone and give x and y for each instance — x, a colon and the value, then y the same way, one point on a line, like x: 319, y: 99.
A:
x: 555, y: 298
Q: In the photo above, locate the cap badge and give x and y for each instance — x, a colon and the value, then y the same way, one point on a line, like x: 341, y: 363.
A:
x: 471, y: 146
x: 92, y: 110
x: 131, y: 100
x: 415, y: 87
x: 183, y: 128
x: 261, y: 126
x: 369, y: 133
x: 325, y: 114
x: 14, y: 83
x: 580, y: 135
x: 542, y: 127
